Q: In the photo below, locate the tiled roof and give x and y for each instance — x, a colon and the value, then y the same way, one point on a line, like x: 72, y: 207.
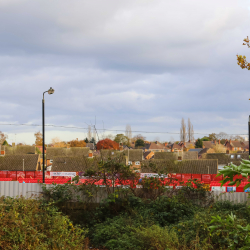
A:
x: 134, y: 154
x: 16, y: 162
x: 69, y: 152
x: 154, y: 145
x: 195, y: 150
x: 146, y: 154
x: 19, y: 150
x: 236, y: 144
x: 208, y: 144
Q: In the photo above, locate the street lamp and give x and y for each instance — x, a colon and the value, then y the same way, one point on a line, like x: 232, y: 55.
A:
x: 50, y: 92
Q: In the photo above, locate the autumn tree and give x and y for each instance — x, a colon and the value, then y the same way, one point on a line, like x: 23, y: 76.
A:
x: 219, y: 148
x: 121, y: 138
x: 77, y: 143
x: 183, y: 131
x: 242, y: 60
x: 107, y: 144
x: 39, y: 138
x: 57, y: 143
x: 212, y: 137
x: 3, y: 137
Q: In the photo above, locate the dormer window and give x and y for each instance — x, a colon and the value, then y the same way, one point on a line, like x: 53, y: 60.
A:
x: 130, y: 163
x: 137, y: 163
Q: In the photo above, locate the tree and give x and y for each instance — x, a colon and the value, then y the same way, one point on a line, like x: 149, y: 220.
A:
x: 77, y: 143
x: 128, y: 132
x: 139, y: 143
x: 212, y: 137
x: 139, y: 136
x: 190, y: 146
x: 107, y: 144
x: 5, y: 143
x: 93, y: 140
x: 39, y: 138
x: 57, y: 143
x: 205, y: 138
x: 183, y: 131
x: 89, y: 133
x: 238, y: 138
x: 86, y: 140
x: 121, y: 138
x: 199, y: 143
x: 190, y: 131
x: 219, y: 148
x: 3, y: 137
x: 241, y: 60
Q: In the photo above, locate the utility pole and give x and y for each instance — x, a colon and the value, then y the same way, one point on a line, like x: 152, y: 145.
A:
x: 249, y: 136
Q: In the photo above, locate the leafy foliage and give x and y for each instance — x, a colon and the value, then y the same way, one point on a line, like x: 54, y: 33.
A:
x: 241, y: 60
x: 139, y: 143
x: 32, y: 224
x: 107, y: 144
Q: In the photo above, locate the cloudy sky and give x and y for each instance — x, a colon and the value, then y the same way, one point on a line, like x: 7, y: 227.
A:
x: 138, y: 62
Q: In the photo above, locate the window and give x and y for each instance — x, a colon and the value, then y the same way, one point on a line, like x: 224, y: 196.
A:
x: 232, y: 156
x: 130, y: 163
x: 51, y: 161
x: 238, y: 156
x: 137, y: 163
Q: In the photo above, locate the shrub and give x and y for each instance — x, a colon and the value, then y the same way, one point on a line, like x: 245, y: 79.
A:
x: 31, y: 224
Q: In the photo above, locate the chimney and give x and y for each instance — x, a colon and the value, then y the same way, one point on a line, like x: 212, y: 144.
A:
x: 219, y: 141
x: 230, y: 141
x: 2, y: 150
x: 90, y: 155
x: 214, y: 141
x: 156, y: 142
x: 13, y: 144
x: 165, y: 144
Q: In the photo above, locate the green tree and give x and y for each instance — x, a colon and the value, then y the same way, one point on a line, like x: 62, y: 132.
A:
x: 139, y: 143
x: 121, y: 138
x: 212, y: 137
x: 199, y: 143
x: 86, y: 140
x: 93, y: 141
x: 205, y: 138
x: 5, y: 143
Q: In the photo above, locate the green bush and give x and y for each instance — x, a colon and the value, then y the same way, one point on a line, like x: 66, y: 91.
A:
x: 31, y: 224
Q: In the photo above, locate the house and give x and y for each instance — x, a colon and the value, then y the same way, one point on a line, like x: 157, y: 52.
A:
x: 179, y: 155
x: 234, y: 145
x: 155, y: 147
x: 134, y: 158
x: 174, y: 147
x: 25, y: 162
x: 66, y: 152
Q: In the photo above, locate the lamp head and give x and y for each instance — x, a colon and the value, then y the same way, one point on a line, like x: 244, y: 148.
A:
x: 51, y: 91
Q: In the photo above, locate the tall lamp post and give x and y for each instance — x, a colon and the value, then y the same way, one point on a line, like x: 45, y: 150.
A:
x: 50, y: 92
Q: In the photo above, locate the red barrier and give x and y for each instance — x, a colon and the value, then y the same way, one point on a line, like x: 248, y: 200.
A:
x: 3, y: 174
x: 47, y: 175
x: 196, y: 176
x: 219, y: 178
x: 20, y: 174
x: 206, y: 178
x: 177, y: 176
x: 12, y: 175
x: 186, y: 177
x: 30, y: 174
x: 5, y: 179
x: 39, y: 175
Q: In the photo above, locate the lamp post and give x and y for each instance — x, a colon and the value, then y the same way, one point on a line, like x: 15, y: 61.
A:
x: 50, y: 92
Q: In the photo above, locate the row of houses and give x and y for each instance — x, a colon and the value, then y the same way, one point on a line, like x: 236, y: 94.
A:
x: 25, y: 158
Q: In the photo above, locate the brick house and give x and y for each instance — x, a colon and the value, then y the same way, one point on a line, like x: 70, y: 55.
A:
x: 234, y: 145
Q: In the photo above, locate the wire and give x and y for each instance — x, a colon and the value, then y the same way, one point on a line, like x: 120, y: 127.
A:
x: 111, y: 130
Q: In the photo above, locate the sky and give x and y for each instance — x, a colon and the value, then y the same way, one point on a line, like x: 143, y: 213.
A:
x: 139, y: 62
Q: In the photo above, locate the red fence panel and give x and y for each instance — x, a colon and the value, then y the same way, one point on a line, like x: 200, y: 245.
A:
x: 47, y: 175
x: 214, y: 178
x: 3, y: 174
x: 206, y: 178
x: 196, y: 176
x: 30, y: 174
x: 186, y: 177
x: 39, y: 175
x: 20, y: 174
x: 12, y: 175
